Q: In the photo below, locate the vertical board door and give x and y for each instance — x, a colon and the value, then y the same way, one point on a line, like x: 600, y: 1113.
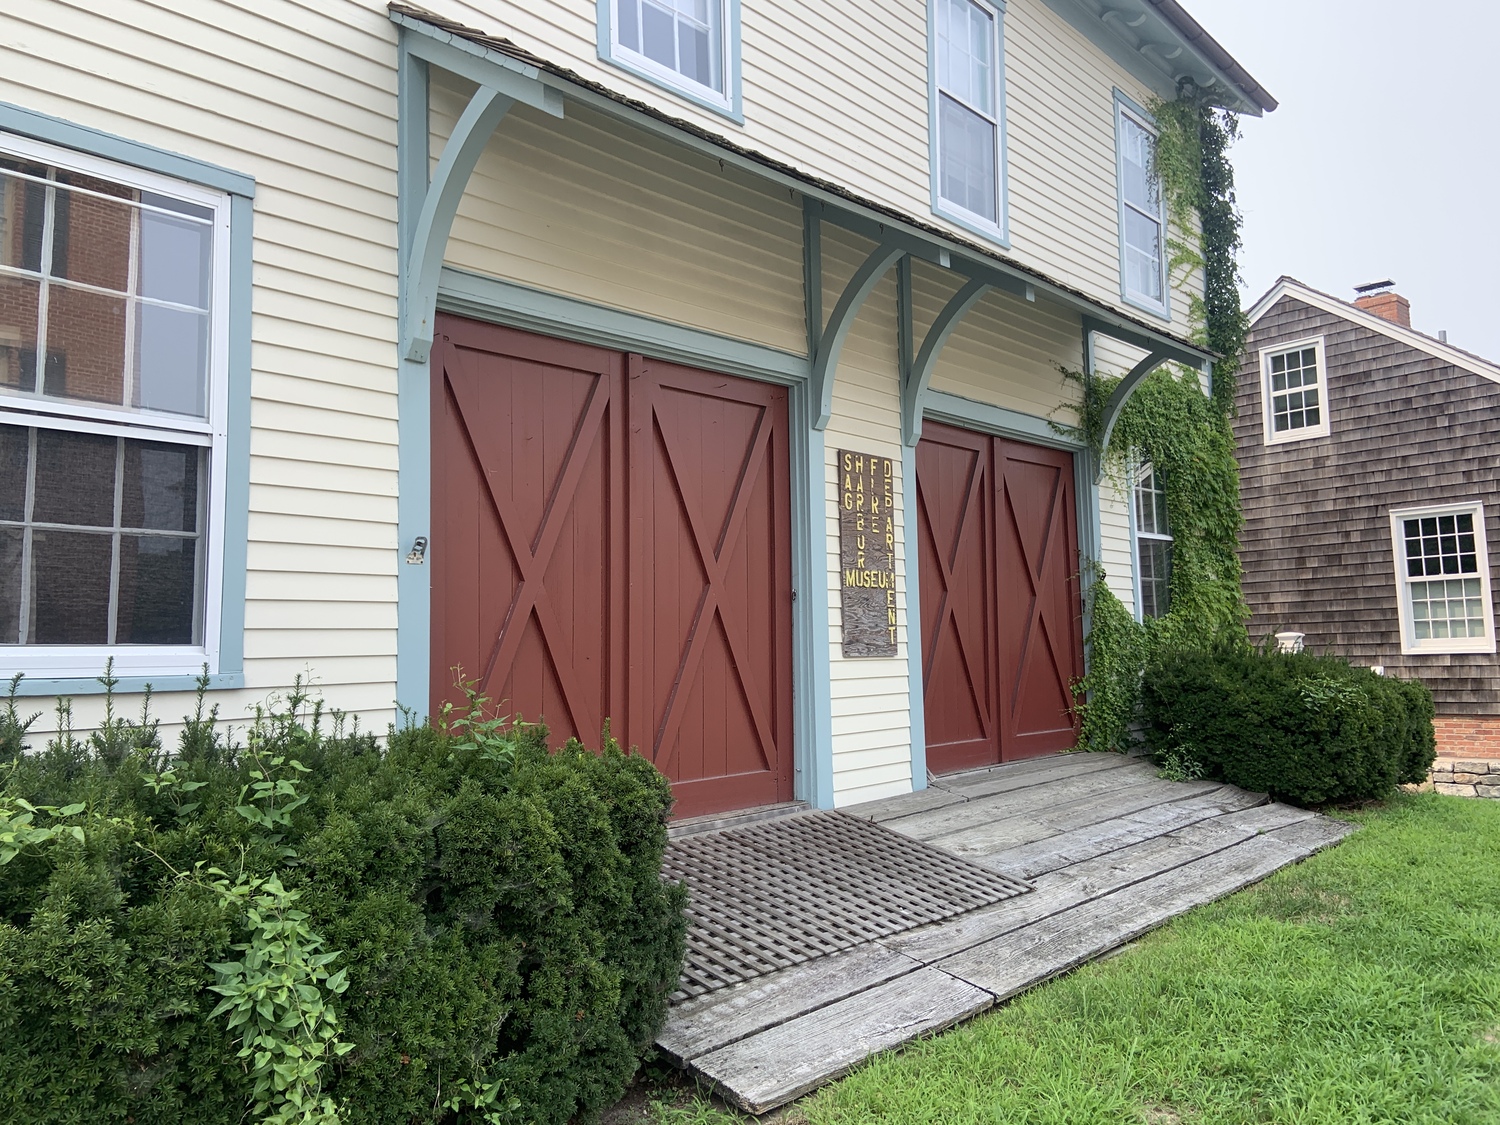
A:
x: 611, y: 542
x: 1001, y: 611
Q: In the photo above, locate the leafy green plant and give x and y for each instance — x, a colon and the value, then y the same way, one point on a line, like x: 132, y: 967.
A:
x: 18, y: 830
x: 13, y: 728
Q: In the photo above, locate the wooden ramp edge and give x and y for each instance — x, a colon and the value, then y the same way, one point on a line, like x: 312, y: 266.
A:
x: 769, y: 1041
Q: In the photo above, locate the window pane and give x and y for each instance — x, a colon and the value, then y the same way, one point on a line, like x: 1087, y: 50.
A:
x: 176, y: 256
x: 11, y: 541
x: 171, y: 360
x: 1142, y: 255
x: 658, y: 36
x: 1139, y: 184
x: 158, y: 577
x: 19, y: 298
x: 693, y: 49
x: 628, y: 13
x: 85, y: 345
x: 22, y: 214
x: 967, y: 146
x: 13, y: 456
x: 75, y: 478
x: 160, y: 489
x: 91, y: 239
x: 965, y: 47
x: 69, y: 588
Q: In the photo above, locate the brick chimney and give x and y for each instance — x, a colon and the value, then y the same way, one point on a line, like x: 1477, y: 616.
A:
x: 1381, y: 299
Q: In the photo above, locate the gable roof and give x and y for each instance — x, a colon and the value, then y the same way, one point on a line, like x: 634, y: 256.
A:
x: 1447, y: 353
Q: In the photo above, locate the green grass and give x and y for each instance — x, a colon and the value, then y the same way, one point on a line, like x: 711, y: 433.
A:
x: 1360, y: 986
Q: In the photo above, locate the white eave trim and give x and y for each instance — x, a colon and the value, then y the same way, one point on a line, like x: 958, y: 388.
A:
x: 1355, y: 315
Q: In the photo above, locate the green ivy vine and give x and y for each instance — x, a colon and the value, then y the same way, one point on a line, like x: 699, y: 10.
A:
x: 1184, y: 433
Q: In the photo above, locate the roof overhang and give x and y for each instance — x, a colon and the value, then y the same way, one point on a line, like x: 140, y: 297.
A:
x: 1164, y: 47
x: 489, y: 60
x: 1447, y: 353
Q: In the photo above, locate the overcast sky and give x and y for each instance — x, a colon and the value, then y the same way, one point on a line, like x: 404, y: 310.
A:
x: 1383, y: 160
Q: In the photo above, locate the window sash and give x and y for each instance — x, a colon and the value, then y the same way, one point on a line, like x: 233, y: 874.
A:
x: 966, y: 111
x: 1151, y: 530
x: 208, y: 433
x: 627, y: 33
x: 1444, y: 598
x: 1142, y: 218
x: 1294, y: 391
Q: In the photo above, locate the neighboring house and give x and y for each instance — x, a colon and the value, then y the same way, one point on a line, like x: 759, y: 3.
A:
x: 523, y: 338
x: 1369, y: 456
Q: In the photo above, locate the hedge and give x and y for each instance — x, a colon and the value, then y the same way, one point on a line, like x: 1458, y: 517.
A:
x: 502, y: 943
x: 1304, y: 728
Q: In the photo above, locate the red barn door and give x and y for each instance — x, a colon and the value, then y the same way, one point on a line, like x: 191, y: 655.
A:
x: 1001, y: 613
x: 611, y: 541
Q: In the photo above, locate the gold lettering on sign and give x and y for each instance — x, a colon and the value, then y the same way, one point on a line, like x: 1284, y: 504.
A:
x: 867, y: 550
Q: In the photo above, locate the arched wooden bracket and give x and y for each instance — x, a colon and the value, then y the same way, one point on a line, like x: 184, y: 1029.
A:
x: 916, y: 372
x: 486, y: 109
x: 831, y: 339
x: 1120, y: 396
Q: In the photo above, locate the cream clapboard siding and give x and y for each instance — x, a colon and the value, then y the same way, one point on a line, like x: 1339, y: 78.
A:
x: 302, y: 96
x: 584, y: 208
x: 842, y: 94
x: 871, y: 703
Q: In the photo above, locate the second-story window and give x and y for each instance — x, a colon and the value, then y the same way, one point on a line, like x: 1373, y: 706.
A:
x: 686, y: 45
x: 1294, y: 392
x: 1153, y: 545
x: 969, y: 147
x: 1143, y: 269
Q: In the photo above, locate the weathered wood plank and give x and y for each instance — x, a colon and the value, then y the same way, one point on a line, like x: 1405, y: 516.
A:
x: 716, y: 1019
x: 773, y: 1067
x: 1050, y: 853
x: 1023, y: 958
x: 889, y: 808
x: 1055, y: 796
x: 1090, y: 879
x: 983, y: 837
x: 1009, y: 778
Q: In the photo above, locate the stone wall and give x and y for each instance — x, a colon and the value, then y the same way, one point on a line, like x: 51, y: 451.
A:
x: 1460, y: 778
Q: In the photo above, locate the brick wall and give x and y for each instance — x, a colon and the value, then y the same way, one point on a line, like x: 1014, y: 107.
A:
x: 1467, y: 736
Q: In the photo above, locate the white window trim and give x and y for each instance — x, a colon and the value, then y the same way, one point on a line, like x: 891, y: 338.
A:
x: 1409, y: 644
x: 999, y: 230
x: 84, y: 661
x: 1322, y: 429
x: 1136, y: 535
x: 1125, y: 108
x: 722, y: 101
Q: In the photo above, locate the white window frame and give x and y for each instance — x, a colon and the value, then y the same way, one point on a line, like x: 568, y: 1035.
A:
x: 1141, y: 471
x: 86, y: 661
x: 725, y: 101
x: 1125, y: 109
x: 999, y: 229
x: 1409, y: 643
x: 1322, y: 429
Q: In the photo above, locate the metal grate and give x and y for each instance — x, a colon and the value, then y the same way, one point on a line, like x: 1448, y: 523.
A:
x: 774, y: 894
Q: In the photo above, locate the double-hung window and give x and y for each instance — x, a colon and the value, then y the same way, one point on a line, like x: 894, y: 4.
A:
x: 689, y: 46
x: 1153, y: 545
x: 1294, y: 391
x: 1443, y: 579
x: 113, y: 360
x: 967, y: 115
x: 1143, y: 259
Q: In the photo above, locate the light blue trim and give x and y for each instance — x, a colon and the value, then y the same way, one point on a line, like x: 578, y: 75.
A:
x: 733, y: 85
x: 999, y: 233
x: 812, y: 663
x: 128, y: 685
x: 236, y: 528
x: 916, y: 689
x: 1121, y: 395
x: 1167, y: 347
x: 535, y: 310
x: 503, y: 73
x: 915, y: 381
x: 236, y: 538
x: 1162, y: 308
x: 422, y: 259
x: 413, y: 403
x: 54, y: 130
x: 955, y: 410
x: 831, y: 340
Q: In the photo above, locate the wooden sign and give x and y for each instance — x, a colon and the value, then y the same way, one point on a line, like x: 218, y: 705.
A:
x: 867, y: 552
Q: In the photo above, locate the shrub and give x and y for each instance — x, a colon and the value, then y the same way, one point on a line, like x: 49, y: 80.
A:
x: 502, y: 936
x: 1307, y: 729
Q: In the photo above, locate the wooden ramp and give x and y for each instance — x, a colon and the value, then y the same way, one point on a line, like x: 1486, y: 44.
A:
x: 1111, y: 851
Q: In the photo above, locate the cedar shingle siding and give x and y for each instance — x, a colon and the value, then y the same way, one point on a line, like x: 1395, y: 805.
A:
x: 1406, y: 430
